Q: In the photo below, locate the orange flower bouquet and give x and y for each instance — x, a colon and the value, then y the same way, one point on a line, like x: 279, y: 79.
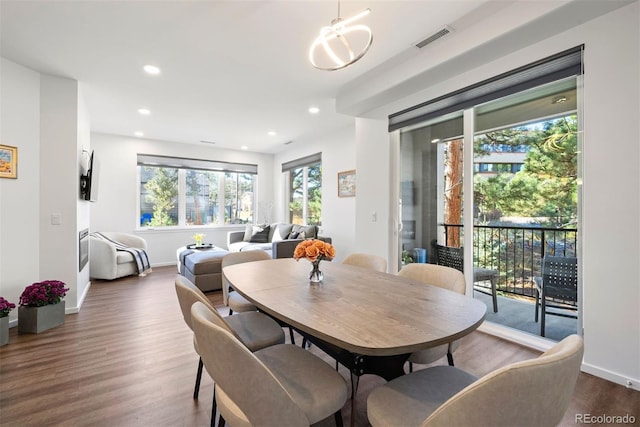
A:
x: 315, y: 251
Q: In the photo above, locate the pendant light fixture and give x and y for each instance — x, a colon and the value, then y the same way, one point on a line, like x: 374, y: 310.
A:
x: 341, y: 44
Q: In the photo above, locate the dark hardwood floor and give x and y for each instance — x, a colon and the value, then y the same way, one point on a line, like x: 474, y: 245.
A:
x: 127, y: 359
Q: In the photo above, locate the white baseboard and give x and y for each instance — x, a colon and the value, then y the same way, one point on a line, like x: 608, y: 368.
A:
x: 532, y: 341
x: 163, y: 264
x: 83, y: 296
x: 614, y: 377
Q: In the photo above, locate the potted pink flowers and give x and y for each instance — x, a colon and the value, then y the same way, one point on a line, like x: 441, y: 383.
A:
x: 41, y: 306
x: 5, y: 309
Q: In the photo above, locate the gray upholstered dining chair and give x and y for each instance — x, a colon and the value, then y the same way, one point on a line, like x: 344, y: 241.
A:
x: 534, y: 392
x: 443, y: 277
x: 371, y: 262
x: 255, y: 330
x: 281, y: 385
x: 233, y: 299
x: 559, y: 281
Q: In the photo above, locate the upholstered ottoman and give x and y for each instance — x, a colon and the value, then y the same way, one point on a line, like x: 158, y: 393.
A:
x: 204, y: 269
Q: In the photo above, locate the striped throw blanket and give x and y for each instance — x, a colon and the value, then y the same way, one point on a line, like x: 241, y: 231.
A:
x: 139, y: 255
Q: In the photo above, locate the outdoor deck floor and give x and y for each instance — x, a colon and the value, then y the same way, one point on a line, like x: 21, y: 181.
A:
x: 519, y: 314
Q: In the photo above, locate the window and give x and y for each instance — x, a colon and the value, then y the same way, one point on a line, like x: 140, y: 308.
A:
x: 304, y: 178
x: 497, y: 167
x: 182, y: 192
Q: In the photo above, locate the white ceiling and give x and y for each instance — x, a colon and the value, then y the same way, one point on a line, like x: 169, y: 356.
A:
x: 231, y: 70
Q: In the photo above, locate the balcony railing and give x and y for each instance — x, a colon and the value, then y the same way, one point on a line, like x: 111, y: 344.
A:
x: 515, y: 251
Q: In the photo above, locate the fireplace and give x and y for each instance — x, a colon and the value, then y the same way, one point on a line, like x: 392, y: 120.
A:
x: 83, y: 246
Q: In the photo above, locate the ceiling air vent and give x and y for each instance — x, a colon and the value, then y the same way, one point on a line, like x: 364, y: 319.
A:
x: 288, y: 142
x: 207, y: 142
x: 435, y: 36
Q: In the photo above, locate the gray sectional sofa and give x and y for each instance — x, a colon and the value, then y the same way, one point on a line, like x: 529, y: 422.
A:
x: 277, y: 239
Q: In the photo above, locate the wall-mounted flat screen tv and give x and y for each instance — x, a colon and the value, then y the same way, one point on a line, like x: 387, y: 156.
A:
x: 89, y: 182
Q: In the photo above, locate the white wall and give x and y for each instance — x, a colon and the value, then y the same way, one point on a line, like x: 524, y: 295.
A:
x: 82, y: 207
x: 19, y: 198
x: 115, y: 209
x: 59, y: 182
x: 45, y: 117
x: 373, y: 213
x: 338, y: 213
x: 611, y: 183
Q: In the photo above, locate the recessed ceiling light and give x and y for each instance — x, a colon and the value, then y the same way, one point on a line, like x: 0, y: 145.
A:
x: 435, y: 140
x: 139, y: 134
x: 152, y: 69
x: 272, y: 133
x: 244, y: 147
x: 144, y: 111
x: 314, y: 110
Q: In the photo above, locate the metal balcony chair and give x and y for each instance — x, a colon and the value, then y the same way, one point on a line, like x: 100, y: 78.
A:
x: 454, y: 258
x: 559, y: 281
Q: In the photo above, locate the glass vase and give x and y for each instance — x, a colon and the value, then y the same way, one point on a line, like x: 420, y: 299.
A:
x: 316, y: 275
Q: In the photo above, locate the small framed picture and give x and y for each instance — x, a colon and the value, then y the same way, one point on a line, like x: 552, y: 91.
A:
x: 8, y: 161
x: 347, y: 183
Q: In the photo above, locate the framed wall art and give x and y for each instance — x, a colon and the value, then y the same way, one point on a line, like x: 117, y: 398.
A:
x: 8, y: 161
x: 347, y: 183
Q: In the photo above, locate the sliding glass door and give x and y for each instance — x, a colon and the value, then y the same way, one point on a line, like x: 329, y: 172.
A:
x: 431, y: 177
x: 518, y: 191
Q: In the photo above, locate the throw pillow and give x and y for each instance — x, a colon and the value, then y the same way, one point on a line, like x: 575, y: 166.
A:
x: 310, y: 231
x: 260, y: 234
x: 281, y: 232
x: 293, y: 235
x: 248, y: 232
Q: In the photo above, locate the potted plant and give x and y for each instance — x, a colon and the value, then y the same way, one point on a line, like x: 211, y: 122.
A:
x: 41, y: 306
x: 5, y: 309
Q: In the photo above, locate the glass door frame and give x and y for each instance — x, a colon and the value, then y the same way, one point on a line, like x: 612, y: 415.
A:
x: 469, y: 115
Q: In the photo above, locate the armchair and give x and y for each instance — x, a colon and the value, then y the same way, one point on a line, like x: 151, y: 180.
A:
x: 108, y: 263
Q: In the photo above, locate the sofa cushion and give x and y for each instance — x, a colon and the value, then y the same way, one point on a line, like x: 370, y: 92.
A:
x: 237, y: 246
x: 281, y: 232
x: 256, y: 247
x: 123, y: 257
x: 260, y: 234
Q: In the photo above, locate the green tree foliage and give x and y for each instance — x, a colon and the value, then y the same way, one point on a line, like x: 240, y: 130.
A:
x: 163, y: 188
x: 545, y: 186
x: 194, y: 188
x: 314, y: 195
x: 236, y: 186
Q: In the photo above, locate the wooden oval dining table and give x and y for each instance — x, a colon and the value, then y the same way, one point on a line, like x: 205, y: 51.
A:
x: 369, y: 321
